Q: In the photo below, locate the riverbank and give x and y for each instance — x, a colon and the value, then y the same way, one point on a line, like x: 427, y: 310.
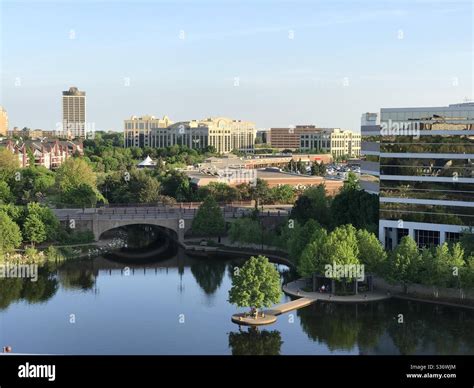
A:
x: 419, y: 293
x: 45, y: 253
x: 193, y: 248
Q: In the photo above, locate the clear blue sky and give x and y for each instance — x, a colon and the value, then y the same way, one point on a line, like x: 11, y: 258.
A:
x: 346, y: 58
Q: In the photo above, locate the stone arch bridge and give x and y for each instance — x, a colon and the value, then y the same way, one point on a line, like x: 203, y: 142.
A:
x: 176, y: 220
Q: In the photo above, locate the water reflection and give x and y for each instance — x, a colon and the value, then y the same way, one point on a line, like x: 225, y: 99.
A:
x: 253, y: 342
x: 209, y: 273
x: 391, y: 327
x: 16, y: 289
x: 371, y: 328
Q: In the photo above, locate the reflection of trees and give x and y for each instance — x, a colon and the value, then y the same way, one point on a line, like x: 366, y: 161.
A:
x: 77, y: 275
x: 426, y: 328
x: 77, y: 279
x: 16, y: 289
x: 208, y: 274
x: 436, y: 329
x: 41, y: 290
x: 10, y: 291
x: 255, y: 343
x: 330, y: 323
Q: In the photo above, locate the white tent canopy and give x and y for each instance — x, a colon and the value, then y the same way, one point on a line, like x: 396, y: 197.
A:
x: 148, y: 162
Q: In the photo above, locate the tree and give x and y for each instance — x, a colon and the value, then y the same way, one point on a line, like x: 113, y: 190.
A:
x: 10, y: 234
x: 312, y: 204
x: 282, y: 194
x: 467, y: 241
x: 5, y: 193
x: 8, y: 164
x: 34, y: 229
x: 404, y: 262
x: 299, y: 238
x: 73, y: 173
x: 371, y: 252
x: 47, y: 216
x: 351, y: 182
x: 314, y: 255
x: 260, y: 192
x: 245, y: 230
x: 342, y: 246
x: 209, y: 220
x: 256, y: 285
x: 356, y: 207
x: 82, y: 195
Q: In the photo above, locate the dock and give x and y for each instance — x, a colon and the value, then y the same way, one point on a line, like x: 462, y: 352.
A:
x: 305, y: 298
x: 289, y: 306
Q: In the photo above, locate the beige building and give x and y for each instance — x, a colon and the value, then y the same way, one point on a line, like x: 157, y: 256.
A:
x: 74, y: 113
x: 142, y: 131
x: 3, y: 121
x: 221, y: 133
x: 336, y: 141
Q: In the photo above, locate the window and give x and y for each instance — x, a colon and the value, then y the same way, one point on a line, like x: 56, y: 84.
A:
x: 401, y: 233
x: 452, y: 237
x: 426, y: 238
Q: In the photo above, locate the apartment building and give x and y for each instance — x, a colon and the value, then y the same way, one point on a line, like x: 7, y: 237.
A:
x: 50, y: 154
x: 426, y: 172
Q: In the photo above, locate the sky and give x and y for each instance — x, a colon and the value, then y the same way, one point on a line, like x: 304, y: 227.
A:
x: 276, y: 63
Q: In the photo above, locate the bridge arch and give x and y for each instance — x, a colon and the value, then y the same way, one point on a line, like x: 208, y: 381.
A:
x: 175, y: 226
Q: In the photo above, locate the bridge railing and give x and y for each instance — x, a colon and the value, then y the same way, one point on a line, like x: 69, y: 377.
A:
x: 153, y: 213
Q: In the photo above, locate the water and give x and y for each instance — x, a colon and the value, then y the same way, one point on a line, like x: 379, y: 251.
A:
x: 179, y: 306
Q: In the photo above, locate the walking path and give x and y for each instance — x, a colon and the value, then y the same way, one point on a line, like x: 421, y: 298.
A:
x: 296, y: 289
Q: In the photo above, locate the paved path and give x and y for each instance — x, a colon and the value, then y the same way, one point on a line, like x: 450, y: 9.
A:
x: 295, y: 289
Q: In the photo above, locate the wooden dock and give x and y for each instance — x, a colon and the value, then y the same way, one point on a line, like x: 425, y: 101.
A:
x: 289, y: 306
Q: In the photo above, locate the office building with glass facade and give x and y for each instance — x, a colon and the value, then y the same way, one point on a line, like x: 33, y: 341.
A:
x: 426, y: 171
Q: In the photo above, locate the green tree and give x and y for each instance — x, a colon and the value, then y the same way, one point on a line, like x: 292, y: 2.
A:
x: 404, y: 262
x: 467, y: 242
x: 299, y: 237
x: 209, y: 220
x: 5, y: 193
x: 356, y: 207
x: 245, y: 230
x: 34, y: 229
x: 312, y: 204
x: 10, y: 234
x: 351, y: 182
x: 342, y: 247
x: 82, y: 195
x: 73, y: 173
x: 315, y: 255
x: 371, y: 252
x: 8, y: 164
x: 256, y: 285
x: 47, y: 216
x: 283, y: 194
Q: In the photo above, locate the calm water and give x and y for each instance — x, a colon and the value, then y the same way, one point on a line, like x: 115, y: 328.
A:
x: 179, y: 306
